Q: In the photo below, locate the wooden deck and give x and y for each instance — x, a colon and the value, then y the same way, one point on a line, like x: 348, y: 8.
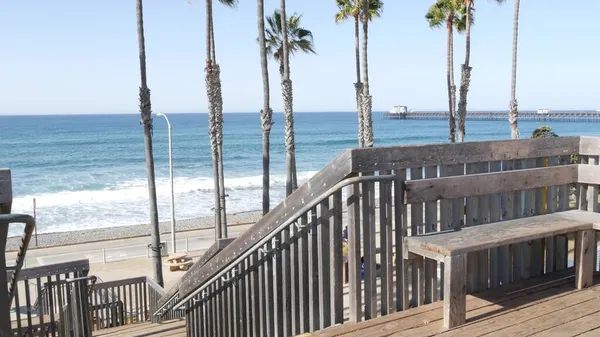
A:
x: 175, y: 328
x: 552, y: 308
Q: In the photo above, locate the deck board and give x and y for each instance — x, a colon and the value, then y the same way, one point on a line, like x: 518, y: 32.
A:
x: 557, y: 309
x: 175, y: 328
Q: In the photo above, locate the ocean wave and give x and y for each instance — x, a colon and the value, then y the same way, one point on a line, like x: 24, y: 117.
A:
x: 133, y: 190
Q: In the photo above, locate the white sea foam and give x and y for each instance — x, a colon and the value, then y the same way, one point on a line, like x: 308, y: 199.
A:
x: 126, y: 203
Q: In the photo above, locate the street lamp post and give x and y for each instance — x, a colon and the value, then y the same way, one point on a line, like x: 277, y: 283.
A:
x: 171, y: 179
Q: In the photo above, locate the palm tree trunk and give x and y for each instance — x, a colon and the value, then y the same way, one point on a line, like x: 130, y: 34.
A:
x: 146, y: 112
x: 465, y: 80
x: 514, y: 107
x: 266, y: 114
x: 358, y: 87
x: 288, y: 108
x: 366, y: 97
x: 219, y: 126
x: 451, y: 87
x: 212, y: 95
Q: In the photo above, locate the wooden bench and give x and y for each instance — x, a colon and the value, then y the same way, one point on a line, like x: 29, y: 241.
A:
x: 451, y: 248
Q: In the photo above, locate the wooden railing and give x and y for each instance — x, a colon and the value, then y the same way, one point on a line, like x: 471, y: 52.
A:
x: 40, y: 295
x: 284, y: 276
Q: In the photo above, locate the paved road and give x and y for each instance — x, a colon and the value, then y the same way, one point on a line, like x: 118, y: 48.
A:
x: 124, y: 249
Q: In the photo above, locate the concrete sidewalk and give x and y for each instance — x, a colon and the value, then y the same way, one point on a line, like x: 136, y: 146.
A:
x: 125, y: 257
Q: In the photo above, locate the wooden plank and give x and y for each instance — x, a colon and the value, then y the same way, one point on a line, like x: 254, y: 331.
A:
x: 495, y: 209
x: 336, y: 257
x: 489, y: 183
x: 542, y: 307
x: 561, y: 246
x: 333, y: 173
x: 255, y: 285
x: 431, y: 225
x: 455, y: 309
x: 279, y: 282
x: 471, y: 239
x: 589, y: 146
x: 294, y: 281
x: 399, y: 157
x: 400, y: 229
x: 429, y: 313
x: 304, y: 265
x: 484, y: 218
x: 584, y: 273
x: 416, y: 227
x: 369, y: 246
x: 324, y: 251
x: 472, y: 219
x: 313, y: 272
x: 354, y: 261
x: 385, y: 242
x: 563, y: 325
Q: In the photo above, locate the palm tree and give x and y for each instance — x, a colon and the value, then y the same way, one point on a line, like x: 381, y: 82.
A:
x: 266, y: 114
x: 215, y: 119
x: 282, y: 40
x: 146, y: 112
x: 465, y: 74
x: 351, y: 9
x: 450, y: 13
x: 513, y: 112
x: 366, y: 99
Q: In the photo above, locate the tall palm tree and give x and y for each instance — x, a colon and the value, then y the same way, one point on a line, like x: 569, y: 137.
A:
x: 146, y: 112
x: 215, y: 118
x: 266, y: 113
x: 281, y: 41
x: 366, y: 99
x: 513, y: 112
x: 351, y: 9
x: 288, y: 107
x: 451, y: 14
x: 465, y: 73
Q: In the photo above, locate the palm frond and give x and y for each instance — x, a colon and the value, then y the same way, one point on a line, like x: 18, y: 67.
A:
x: 299, y: 38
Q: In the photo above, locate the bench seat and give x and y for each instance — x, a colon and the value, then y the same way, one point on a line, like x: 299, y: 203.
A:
x: 471, y: 239
x: 452, y: 247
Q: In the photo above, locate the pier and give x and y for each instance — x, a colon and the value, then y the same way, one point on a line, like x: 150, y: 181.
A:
x: 558, y: 116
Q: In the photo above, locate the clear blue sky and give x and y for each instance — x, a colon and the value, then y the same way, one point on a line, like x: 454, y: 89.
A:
x: 73, y: 56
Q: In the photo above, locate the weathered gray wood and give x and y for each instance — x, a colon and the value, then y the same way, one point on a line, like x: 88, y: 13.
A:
x: 562, y: 248
x: 303, y: 274
x: 255, y: 307
x: 286, y: 286
x: 313, y: 272
x: 489, y: 183
x: 400, y: 229
x: 445, y: 222
x: 458, y: 203
x: 336, y: 256
x: 333, y: 173
x: 262, y: 288
x: 416, y: 227
x: 455, y: 309
x: 398, y: 157
x: 385, y: 236
x: 472, y: 219
x: 584, y: 273
x: 589, y: 146
x: 431, y: 225
x: 484, y: 218
x: 324, y: 251
x: 294, y: 281
x: 476, y: 238
x: 369, y: 246
x: 280, y: 281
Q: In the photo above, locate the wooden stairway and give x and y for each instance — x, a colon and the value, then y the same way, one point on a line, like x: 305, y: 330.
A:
x: 174, y: 328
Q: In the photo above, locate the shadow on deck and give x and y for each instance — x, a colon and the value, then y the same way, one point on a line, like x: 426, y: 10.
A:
x: 174, y: 328
x: 550, y: 307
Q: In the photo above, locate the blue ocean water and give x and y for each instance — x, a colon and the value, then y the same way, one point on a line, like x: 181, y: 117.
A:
x: 88, y: 171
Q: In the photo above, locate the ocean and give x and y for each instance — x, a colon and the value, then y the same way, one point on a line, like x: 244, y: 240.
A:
x: 88, y: 171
